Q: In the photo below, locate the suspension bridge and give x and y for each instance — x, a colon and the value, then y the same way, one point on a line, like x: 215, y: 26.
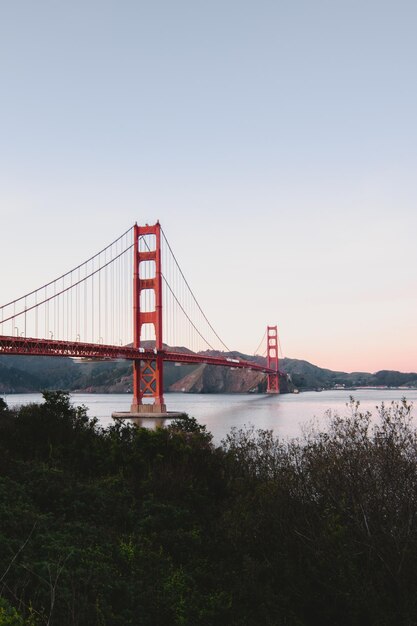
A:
x: 130, y: 301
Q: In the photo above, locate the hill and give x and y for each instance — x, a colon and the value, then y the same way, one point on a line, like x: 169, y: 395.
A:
x: 306, y: 376
x: 24, y: 374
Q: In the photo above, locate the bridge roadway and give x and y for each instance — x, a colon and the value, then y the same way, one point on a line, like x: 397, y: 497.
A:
x: 53, y: 347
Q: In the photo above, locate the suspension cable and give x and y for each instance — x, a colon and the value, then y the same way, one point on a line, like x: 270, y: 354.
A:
x: 67, y: 273
x: 185, y: 313
x: 66, y: 289
x: 192, y: 294
x: 260, y: 343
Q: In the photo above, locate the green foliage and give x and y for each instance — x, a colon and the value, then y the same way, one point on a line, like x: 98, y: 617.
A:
x: 9, y: 616
x: 128, y: 526
x: 187, y: 424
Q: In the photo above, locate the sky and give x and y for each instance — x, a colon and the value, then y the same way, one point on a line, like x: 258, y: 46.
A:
x: 275, y: 140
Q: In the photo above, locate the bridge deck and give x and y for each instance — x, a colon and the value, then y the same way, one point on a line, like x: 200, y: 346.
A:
x: 51, y: 347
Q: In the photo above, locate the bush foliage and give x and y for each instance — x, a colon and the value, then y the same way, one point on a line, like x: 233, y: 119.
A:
x: 127, y: 526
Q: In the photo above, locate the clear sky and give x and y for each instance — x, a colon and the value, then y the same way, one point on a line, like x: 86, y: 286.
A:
x: 275, y: 140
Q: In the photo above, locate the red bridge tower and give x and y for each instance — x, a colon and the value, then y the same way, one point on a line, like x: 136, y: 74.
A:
x: 272, y: 358
x: 147, y: 373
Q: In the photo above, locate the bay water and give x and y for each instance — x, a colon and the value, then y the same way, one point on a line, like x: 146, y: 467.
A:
x: 285, y: 414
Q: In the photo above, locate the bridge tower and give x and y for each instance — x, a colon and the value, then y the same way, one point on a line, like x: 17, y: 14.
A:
x: 147, y: 373
x: 272, y: 358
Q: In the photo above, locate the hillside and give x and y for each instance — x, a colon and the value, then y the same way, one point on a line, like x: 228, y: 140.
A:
x: 21, y: 374
x: 305, y: 376
x: 25, y: 374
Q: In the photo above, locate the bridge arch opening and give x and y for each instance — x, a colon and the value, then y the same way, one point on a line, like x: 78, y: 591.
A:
x: 147, y: 300
x: 147, y: 332
x: 147, y: 242
x: 147, y: 269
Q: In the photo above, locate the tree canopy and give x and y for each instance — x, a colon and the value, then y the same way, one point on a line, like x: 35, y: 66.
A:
x: 128, y: 526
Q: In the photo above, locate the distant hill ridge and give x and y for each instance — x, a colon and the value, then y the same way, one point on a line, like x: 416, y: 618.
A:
x: 22, y: 374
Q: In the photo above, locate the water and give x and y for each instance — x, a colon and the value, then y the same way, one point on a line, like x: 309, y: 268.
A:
x: 285, y: 414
